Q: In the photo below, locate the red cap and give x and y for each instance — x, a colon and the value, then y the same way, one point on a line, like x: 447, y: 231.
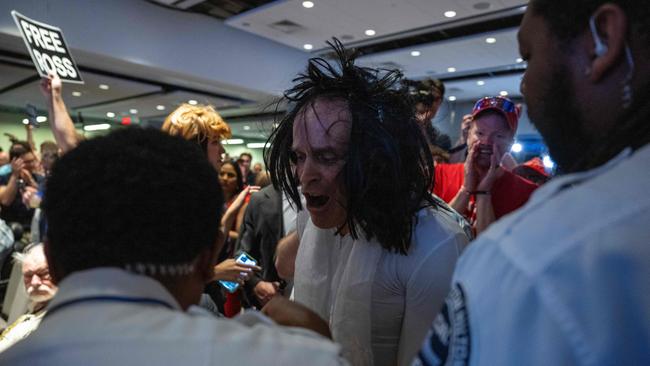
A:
x: 537, y: 165
x: 500, y: 104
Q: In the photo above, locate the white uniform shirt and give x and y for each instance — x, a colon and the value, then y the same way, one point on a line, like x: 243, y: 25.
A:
x: 563, y: 281
x: 379, y: 303
x: 132, y: 332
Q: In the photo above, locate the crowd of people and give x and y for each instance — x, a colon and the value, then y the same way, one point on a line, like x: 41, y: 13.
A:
x: 369, y: 239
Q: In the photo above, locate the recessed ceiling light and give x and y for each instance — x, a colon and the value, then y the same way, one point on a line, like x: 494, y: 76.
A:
x: 415, y: 53
x: 246, y: 128
x: 370, y: 32
x: 503, y: 93
x: 160, y: 107
x: 41, y: 119
x: 133, y: 111
x: 101, y: 126
x: 232, y: 142
x: 76, y: 94
x: 192, y: 102
x: 519, y: 60
x: 103, y: 87
x: 490, y: 40
x: 451, y: 69
x: 25, y: 121
x: 308, y: 4
x: 452, y: 98
x: 450, y: 14
x: 257, y: 145
x: 480, y: 83
x: 307, y: 46
x: 110, y: 114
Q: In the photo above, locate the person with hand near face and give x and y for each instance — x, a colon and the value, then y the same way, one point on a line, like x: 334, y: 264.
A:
x: 12, y: 185
x: 480, y: 189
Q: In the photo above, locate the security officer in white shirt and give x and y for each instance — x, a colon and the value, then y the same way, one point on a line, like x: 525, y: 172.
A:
x: 566, y: 279
x: 133, y: 238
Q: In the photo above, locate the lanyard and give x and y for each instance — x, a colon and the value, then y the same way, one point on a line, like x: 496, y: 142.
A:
x: 123, y: 299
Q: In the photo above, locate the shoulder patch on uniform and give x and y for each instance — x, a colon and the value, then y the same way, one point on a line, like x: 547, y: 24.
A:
x: 448, y: 341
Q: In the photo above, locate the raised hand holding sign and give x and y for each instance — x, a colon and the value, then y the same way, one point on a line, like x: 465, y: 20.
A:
x: 48, y: 49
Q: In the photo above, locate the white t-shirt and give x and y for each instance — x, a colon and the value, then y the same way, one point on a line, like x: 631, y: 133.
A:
x: 379, y: 303
x: 563, y: 281
x: 128, y: 319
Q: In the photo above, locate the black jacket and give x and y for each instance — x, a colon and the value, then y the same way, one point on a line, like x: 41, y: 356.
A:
x: 259, y: 235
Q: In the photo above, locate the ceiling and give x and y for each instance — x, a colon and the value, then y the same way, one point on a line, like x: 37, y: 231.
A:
x: 459, y: 43
x: 349, y: 19
x: 465, y: 50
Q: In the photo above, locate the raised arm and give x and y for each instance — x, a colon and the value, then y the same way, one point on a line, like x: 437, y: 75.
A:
x: 62, y: 126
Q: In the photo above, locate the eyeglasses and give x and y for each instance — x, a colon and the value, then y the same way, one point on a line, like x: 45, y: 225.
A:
x: 501, y: 103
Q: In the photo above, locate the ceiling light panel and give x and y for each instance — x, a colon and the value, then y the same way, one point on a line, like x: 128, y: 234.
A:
x: 466, y: 55
x: 336, y: 18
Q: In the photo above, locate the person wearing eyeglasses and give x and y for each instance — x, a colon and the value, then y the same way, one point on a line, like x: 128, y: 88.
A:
x: 480, y: 189
x: 40, y: 290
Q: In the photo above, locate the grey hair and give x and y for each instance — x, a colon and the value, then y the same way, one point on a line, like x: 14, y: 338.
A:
x: 27, y: 252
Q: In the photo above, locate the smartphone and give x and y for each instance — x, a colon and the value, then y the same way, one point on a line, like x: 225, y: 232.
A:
x: 243, y: 258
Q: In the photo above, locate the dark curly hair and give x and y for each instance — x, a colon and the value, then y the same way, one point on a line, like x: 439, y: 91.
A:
x: 132, y: 196
x: 388, y: 169
x: 18, y: 149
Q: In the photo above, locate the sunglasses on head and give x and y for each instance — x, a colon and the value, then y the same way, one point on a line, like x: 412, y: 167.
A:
x: 495, y: 102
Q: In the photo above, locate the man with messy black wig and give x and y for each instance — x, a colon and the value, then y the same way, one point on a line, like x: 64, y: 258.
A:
x: 132, y: 241
x: 376, y: 251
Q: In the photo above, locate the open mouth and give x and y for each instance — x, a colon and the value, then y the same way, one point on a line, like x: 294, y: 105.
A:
x: 485, y: 149
x: 315, y: 201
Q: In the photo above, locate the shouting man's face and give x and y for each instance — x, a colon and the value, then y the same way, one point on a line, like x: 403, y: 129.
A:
x: 321, y: 133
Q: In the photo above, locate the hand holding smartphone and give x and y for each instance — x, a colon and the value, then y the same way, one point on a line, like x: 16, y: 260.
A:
x: 242, y: 258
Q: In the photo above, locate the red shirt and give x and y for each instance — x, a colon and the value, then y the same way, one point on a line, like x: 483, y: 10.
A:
x: 509, y: 192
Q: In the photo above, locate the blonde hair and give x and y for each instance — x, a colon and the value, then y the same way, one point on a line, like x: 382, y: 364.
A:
x: 196, y: 122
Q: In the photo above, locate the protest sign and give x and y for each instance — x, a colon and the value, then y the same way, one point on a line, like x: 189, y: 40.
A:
x: 48, y: 49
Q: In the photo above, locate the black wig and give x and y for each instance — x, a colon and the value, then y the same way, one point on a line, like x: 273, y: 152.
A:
x: 389, y: 168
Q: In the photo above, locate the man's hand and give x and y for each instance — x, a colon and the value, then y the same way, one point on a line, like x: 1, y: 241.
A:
x: 493, y: 173
x: 51, y: 86
x: 265, y: 291
x: 230, y: 270
x: 17, y: 166
x: 291, y: 314
x: 471, y: 175
x: 31, y: 197
x: 27, y: 176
